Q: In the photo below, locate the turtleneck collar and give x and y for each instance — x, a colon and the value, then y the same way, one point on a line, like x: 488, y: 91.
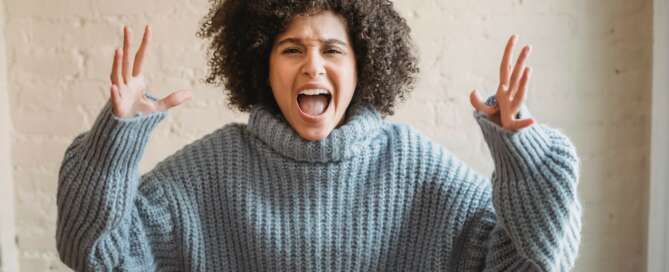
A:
x: 363, y: 124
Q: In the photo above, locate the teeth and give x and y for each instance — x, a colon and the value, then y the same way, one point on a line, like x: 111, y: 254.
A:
x: 314, y: 91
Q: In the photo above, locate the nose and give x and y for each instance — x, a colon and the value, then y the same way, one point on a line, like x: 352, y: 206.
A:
x: 314, y: 65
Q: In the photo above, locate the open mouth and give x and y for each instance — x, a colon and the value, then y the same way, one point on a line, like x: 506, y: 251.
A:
x: 314, y: 102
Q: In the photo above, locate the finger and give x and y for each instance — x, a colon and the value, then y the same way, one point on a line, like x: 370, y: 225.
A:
x: 519, y: 97
x: 521, y: 124
x: 114, y: 73
x: 116, y: 99
x: 126, y: 48
x: 501, y: 90
x: 174, y: 99
x: 139, y: 57
x: 519, y: 68
x: 479, y: 105
x: 505, y: 66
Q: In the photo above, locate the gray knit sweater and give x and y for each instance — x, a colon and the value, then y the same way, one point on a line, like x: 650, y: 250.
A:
x: 372, y: 196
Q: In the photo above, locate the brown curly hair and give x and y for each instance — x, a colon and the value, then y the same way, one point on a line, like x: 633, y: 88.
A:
x: 243, y: 32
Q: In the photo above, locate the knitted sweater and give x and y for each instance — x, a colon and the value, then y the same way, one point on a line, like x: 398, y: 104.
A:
x: 372, y: 196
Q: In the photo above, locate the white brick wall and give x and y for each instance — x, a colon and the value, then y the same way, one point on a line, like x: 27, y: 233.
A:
x: 8, y: 260
x: 591, y: 61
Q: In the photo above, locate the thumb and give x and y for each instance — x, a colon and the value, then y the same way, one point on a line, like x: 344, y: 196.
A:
x: 521, y: 124
x: 174, y: 99
x: 479, y: 104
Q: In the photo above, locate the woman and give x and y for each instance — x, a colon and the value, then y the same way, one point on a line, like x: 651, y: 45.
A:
x: 317, y: 180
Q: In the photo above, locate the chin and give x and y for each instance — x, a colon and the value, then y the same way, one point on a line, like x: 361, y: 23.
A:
x: 314, y: 134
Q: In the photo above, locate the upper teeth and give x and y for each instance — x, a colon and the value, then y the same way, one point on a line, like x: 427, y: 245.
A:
x: 314, y: 91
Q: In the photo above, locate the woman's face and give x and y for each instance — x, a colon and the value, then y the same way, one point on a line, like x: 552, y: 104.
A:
x: 312, y: 73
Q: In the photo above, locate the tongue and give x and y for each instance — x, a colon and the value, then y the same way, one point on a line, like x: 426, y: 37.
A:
x: 313, y: 104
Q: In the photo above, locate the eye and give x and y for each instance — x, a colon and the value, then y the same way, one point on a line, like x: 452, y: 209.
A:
x: 291, y: 50
x: 333, y: 51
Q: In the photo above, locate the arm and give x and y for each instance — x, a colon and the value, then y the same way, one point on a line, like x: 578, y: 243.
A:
x: 104, y: 219
x: 534, y: 197
x: 534, y: 183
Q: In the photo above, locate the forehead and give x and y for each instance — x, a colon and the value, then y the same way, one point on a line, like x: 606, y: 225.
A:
x: 319, y: 26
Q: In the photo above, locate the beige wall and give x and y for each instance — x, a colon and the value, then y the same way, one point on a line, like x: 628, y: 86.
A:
x: 8, y: 261
x: 591, y: 61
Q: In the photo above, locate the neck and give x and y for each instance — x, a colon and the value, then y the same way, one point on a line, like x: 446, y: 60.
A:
x: 357, y: 128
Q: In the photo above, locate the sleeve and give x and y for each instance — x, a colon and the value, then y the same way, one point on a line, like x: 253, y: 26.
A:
x: 537, y: 216
x: 106, y: 220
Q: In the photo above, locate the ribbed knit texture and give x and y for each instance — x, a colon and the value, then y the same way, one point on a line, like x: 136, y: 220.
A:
x: 372, y: 196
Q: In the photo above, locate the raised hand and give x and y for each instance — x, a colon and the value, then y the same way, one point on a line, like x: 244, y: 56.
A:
x: 510, y: 92
x: 127, y: 90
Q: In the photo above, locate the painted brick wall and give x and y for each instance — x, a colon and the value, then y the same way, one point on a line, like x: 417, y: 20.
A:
x: 591, y: 61
x: 8, y: 260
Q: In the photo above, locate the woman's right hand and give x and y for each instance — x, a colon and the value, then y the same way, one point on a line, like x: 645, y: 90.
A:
x: 127, y: 91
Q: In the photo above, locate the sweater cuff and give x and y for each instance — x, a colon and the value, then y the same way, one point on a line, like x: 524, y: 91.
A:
x: 116, y: 143
x: 521, y: 149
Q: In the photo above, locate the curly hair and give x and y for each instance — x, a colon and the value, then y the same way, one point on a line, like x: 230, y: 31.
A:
x: 243, y: 32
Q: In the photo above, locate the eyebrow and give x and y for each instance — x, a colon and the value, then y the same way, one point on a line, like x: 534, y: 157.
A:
x: 299, y: 41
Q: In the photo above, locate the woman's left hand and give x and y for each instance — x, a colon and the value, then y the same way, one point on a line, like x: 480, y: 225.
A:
x: 510, y: 92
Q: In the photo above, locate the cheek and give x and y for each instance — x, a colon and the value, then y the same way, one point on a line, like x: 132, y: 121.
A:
x: 281, y: 79
x: 347, y: 80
